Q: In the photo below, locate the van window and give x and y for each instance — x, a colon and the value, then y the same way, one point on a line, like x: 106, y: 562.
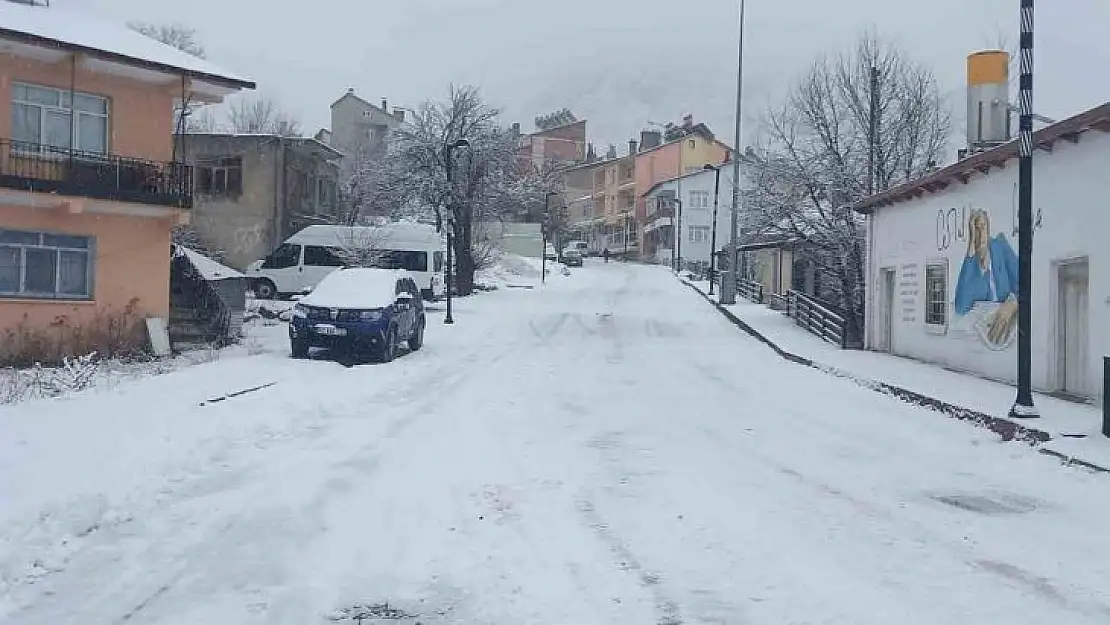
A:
x: 285, y: 256
x: 402, y: 259
x: 318, y: 256
x: 437, y: 258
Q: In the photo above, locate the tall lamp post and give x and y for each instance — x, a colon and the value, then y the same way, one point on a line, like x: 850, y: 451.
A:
x: 728, y: 288
x: 1023, y: 406
x: 447, y: 153
x: 544, y: 227
x: 713, y: 236
x: 676, y: 247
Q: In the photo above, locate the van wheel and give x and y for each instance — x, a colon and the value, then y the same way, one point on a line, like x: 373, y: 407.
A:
x: 264, y: 289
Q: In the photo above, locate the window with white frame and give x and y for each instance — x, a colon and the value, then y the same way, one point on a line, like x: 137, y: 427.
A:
x: 41, y: 118
x: 42, y: 265
x: 221, y: 177
x: 936, y: 294
x: 699, y: 199
x: 699, y: 234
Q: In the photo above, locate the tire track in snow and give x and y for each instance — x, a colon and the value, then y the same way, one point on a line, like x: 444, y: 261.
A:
x: 666, y: 609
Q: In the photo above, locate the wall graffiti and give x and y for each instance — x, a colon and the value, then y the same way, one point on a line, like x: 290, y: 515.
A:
x: 988, y: 282
x: 951, y: 227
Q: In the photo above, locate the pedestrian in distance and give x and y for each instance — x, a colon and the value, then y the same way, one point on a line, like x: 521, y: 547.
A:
x: 605, y: 254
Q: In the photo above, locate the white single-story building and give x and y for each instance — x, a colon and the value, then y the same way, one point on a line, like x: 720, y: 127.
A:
x: 695, y: 192
x: 942, y: 266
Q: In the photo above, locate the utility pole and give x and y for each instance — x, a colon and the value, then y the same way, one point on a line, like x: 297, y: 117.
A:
x: 450, y: 163
x: 728, y: 289
x: 1023, y: 406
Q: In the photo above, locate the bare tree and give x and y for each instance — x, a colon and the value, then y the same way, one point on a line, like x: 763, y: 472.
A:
x: 179, y: 36
x: 261, y: 115
x: 812, y: 161
x: 480, y: 171
x: 360, y: 247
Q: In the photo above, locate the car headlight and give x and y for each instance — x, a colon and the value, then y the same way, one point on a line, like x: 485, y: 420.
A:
x: 300, y: 310
x: 370, y: 315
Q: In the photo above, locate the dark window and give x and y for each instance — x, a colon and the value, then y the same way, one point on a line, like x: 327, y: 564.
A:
x: 285, y: 256
x: 40, y: 265
x: 401, y: 259
x: 321, y: 257
x: 221, y: 178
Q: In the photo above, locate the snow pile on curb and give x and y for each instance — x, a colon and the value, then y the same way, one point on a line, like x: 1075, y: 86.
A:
x: 511, y: 269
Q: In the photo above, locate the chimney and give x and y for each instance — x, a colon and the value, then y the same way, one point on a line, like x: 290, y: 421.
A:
x: 687, y: 120
x: 612, y: 153
x: 516, y: 128
x: 350, y: 90
x: 591, y: 155
x: 385, y: 105
x: 631, y: 147
x: 650, y: 139
x: 399, y: 115
x: 988, y: 99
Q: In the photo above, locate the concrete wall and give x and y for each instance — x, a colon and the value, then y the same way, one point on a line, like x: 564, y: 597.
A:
x: 245, y: 228
x: 1070, y: 196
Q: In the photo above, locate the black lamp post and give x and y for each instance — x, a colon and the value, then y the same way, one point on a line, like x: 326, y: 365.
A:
x: 713, y: 236
x: 678, y: 232
x: 543, y: 231
x: 461, y: 143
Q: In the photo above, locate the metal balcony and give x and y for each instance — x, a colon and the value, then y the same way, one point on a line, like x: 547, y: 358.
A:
x: 48, y: 169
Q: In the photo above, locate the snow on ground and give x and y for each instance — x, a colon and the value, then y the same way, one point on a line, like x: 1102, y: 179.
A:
x: 515, y: 271
x: 604, y: 449
x: 1065, y: 420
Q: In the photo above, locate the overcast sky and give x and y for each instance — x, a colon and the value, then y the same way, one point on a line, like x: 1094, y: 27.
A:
x: 617, y: 63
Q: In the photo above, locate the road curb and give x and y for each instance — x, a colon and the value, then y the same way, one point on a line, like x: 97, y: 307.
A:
x: 1006, y: 429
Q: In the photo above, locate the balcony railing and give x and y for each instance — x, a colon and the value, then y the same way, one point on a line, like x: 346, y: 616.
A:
x: 48, y: 169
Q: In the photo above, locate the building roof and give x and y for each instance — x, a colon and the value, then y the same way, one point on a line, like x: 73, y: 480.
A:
x: 962, y: 171
x: 106, y: 40
x: 309, y: 142
x: 545, y: 131
x: 691, y: 174
x: 698, y: 129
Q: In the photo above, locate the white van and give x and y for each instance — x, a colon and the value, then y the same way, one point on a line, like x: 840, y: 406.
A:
x: 302, y: 261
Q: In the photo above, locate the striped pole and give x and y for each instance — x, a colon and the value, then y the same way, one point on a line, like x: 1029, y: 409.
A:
x: 1023, y: 406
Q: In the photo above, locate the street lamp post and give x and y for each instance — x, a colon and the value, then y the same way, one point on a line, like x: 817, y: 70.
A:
x: 713, y: 236
x: 1023, y: 405
x: 543, y: 234
x: 448, y: 282
x: 728, y: 289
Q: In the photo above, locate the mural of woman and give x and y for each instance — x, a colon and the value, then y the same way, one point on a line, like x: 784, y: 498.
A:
x: 989, y: 275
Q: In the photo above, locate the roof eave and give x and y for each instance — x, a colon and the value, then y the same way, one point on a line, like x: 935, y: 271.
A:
x: 223, y: 81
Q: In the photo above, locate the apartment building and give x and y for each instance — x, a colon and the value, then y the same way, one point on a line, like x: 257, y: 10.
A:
x: 90, y: 184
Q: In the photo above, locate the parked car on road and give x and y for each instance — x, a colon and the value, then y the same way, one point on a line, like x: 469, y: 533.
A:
x: 549, y: 252
x: 360, y: 311
x: 572, y: 257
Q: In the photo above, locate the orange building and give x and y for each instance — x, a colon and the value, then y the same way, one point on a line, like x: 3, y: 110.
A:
x: 90, y: 185
x: 657, y: 161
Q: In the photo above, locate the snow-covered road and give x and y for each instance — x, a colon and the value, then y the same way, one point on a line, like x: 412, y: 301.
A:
x: 606, y: 450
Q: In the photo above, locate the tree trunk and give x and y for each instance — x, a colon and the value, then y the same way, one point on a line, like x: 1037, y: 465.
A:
x: 464, y: 258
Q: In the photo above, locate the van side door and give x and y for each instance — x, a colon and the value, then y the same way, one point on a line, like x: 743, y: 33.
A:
x: 282, y: 267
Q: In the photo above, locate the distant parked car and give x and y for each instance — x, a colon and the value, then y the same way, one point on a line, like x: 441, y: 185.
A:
x: 360, y: 311
x: 572, y: 257
x: 549, y: 252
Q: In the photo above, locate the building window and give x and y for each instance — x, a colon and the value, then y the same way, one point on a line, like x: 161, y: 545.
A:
x: 699, y: 199
x: 40, y: 265
x: 936, y: 294
x: 41, y: 116
x: 222, y: 178
x: 699, y: 234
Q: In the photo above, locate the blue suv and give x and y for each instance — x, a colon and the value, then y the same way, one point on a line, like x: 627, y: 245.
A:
x: 359, y: 311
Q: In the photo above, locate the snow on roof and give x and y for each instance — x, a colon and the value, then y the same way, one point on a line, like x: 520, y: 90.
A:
x: 356, y: 288
x: 393, y: 233
x: 209, y: 269
x: 89, y: 32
